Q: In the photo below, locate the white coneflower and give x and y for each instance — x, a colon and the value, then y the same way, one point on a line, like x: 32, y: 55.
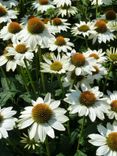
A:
x: 100, y: 2
x: 60, y: 3
x: 43, y: 117
x: 88, y: 102
x: 9, y: 3
x: 106, y: 140
x: 7, y: 121
x: 35, y: 34
x: 112, y: 54
x: 43, y: 5
x: 55, y: 64
x: 6, y: 15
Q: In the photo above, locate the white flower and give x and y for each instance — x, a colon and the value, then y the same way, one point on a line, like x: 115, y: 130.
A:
x: 60, y: 44
x: 9, y: 3
x: 56, y: 25
x: 43, y: 5
x: 55, y: 64
x: 106, y: 140
x: 43, y: 117
x: 89, y: 102
x: 35, y: 34
x: 10, y: 30
x: 60, y: 3
x: 102, y: 33
x: 7, y: 121
x: 6, y: 15
x: 112, y: 25
x: 112, y: 101
x: 81, y: 63
x: 100, y: 2
x: 66, y: 11
x: 83, y: 28
x: 10, y: 61
x: 98, y: 55
x: 112, y: 54
x: 21, y: 51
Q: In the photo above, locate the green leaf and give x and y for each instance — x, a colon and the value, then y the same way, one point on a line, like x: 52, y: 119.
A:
x: 80, y: 153
x: 26, y: 97
x: 60, y: 154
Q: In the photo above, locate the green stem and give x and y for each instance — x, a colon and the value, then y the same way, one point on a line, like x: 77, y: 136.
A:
x: 96, y: 8
x: 60, y: 83
x: 81, y: 132
x: 47, y: 146
x: 4, y: 74
x: 42, y: 74
x: 109, y: 70
x: 30, y: 78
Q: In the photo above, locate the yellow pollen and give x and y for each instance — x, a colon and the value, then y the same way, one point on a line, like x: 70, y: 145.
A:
x: 57, y: 21
x: 114, y: 106
x: 83, y: 28
x: 14, y: 27
x: 87, y: 98
x: 41, y: 113
x: 113, y: 57
x: 56, y: 66
x: 35, y: 25
x: 2, y: 11
x: 110, y: 15
x: 21, y: 48
x: 60, y: 41
x: 78, y: 59
x: 101, y: 26
x: 112, y: 141
x: 43, y: 2
x: 94, y: 55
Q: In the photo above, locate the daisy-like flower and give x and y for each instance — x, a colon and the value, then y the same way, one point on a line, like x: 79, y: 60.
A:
x: 66, y: 11
x: 99, y: 73
x: 83, y: 28
x: 102, y: 33
x: 55, y: 64
x: 112, y: 101
x: 60, y: 44
x: 60, y: 3
x: 112, y: 54
x: 106, y: 140
x: 21, y: 51
x: 43, y: 117
x: 100, y: 2
x: 98, y: 55
x: 35, y: 34
x: 9, y: 3
x: 10, y: 61
x: 112, y: 25
x: 10, y: 30
x: 7, y: 121
x: 43, y: 5
x: 89, y: 102
x: 29, y: 143
x: 6, y: 15
x: 81, y: 63
x: 56, y: 25
x: 110, y: 15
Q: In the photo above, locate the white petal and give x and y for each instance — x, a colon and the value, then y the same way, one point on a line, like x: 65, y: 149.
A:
x: 54, y: 104
x: 4, y: 132
x: 57, y: 125
x: 41, y: 133
x: 97, y: 140
x: 33, y: 130
x: 102, y: 150
x: 47, y: 98
x: 49, y: 130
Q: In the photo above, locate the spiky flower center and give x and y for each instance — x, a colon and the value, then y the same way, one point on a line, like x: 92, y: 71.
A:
x: 87, y: 98
x: 113, y: 57
x: 57, y: 21
x: 94, y: 55
x: 96, y: 70
x: 78, y: 59
x: 112, y: 141
x: 56, y: 66
x: 60, y: 41
x: 114, y: 106
x: 3, y: 11
x: 110, y: 15
x: 21, y: 48
x: 41, y: 113
x: 101, y: 26
x: 35, y: 25
x: 1, y: 118
x: 43, y: 2
x: 83, y: 28
x: 14, y: 27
